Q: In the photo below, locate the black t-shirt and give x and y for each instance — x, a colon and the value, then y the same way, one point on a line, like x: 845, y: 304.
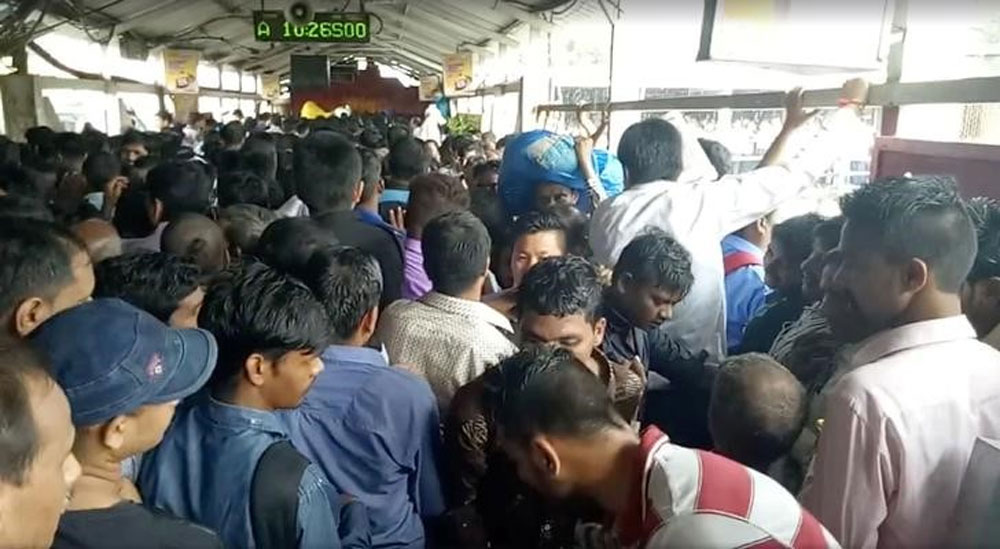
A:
x: 380, y: 243
x: 129, y: 525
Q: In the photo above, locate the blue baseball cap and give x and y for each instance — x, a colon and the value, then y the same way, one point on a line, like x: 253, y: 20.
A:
x: 111, y: 358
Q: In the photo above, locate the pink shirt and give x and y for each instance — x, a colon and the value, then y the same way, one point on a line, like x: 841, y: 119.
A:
x: 899, y: 432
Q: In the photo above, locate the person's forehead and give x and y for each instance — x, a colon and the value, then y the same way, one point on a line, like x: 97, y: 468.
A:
x: 541, y: 239
x: 50, y: 409
x: 537, y: 323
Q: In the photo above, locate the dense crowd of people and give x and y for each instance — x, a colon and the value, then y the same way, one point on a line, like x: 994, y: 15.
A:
x: 329, y: 333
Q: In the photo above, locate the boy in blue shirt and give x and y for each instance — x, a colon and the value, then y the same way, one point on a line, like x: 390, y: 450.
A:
x: 270, y: 330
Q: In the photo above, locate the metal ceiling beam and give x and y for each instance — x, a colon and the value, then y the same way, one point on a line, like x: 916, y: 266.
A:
x: 143, y: 16
x: 510, y: 10
x: 463, y: 20
x: 423, y: 33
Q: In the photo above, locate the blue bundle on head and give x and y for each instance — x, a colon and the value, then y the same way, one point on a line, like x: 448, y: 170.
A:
x: 541, y: 156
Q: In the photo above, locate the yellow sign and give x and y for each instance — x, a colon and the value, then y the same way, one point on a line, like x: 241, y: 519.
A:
x: 430, y: 86
x: 181, y: 70
x: 269, y: 86
x: 749, y: 10
x: 458, y: 74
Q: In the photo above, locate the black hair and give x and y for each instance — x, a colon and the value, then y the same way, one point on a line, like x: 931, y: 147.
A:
x: 456, y: 249
x: 100, y: 168
x: 132, y: 137
x: 795, y: 236
x: 561, y: 286
x: 757, y: 410
x: 154, y: 282
x: 577, y: 227
x: 396, y: 133
x: 407, y: 159
x: 371, y: 138
x: 288, y: 244
x: 252, y: 308
x: 545, y: 390
x: 35, y: 260
x: 718, y: 155
x: 432, y: 195
x: 327, y: 169
x: 233, y: 133
x: 15, y: 179
x: 985, y: 214
x: 71, y: 145
x: 16, y: 206
x: 348, y: 281
x: 535, y: 222
x: 828, y: 232
x: 657, y: 259
x: 921, y: 217
x: 244, y: 187
x: 651, y: 150
x: 243, y: 225
x: 182, y: 187
x: 481, y: 168
x: 259, y: 155
x: 19, y: 437
x: 371, y: 173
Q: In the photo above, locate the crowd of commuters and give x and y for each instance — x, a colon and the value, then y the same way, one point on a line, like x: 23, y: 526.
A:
x: 277, y: 333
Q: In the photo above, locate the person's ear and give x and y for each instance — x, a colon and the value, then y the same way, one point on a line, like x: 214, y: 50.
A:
x: 368, y: 324
x: 380, y: 186
x: 30, y: 314
x: 544, y: 457
x: 600, y: 328
x: 359, y: 189
x: 113, y: 432
x: 622, y: 283
x: 916, y: 275
x: 256, y: 369
x: 155, y: 211
x: 991, y: 288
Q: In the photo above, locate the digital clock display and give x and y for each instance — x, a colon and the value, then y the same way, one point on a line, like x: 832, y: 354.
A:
x: 330, y: 27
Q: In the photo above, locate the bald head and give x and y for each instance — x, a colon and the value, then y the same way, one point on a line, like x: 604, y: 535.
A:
x: 757, y: 411
x: 197, y: 238
x: 100, y: 237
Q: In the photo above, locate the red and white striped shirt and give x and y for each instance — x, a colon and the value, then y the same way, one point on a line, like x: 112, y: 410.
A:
x: 692, y: 498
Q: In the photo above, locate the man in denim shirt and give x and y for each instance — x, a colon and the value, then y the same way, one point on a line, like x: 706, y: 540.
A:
x: 270, y: 329
x: 373, y: 429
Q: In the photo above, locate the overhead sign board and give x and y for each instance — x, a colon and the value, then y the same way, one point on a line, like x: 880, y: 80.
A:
x: 326, y: 27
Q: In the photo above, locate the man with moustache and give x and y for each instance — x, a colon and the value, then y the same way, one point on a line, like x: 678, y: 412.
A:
x: 900, y: 426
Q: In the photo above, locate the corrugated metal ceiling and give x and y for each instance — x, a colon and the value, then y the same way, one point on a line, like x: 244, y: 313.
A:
x: 413, y: 33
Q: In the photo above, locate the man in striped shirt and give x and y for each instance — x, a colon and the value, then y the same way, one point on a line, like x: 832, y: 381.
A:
x: 559, y: 426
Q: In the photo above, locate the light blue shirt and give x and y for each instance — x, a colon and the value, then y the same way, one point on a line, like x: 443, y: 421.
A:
x: 374, y: 432
x: 745, y: 290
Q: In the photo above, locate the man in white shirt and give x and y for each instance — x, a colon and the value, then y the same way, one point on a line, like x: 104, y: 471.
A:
x: 900, y: 427
x: 670, y: 185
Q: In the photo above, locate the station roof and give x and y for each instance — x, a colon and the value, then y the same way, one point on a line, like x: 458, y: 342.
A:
x: 414, y: 34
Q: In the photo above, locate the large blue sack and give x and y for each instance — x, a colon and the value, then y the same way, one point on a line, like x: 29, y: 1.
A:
x: 541, y: 156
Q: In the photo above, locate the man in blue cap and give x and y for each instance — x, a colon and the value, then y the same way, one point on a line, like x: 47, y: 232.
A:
x: 123, y: 372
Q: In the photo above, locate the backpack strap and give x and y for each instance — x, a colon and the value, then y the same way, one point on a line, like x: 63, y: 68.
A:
x: 274, y: 496
x: 738, y: 260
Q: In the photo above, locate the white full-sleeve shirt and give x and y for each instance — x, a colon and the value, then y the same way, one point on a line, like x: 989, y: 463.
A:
x: 700, y: 212
x: 899, y: 431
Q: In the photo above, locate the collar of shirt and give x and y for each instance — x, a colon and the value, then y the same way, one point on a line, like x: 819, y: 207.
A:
x: 146, y: 243
x: 735, y: 243
x: 469, y: 309
x: 375, y: 219
x: 342, y: 353
x: 635, y: 522
x: 239, y: 417
x: 908, y: 336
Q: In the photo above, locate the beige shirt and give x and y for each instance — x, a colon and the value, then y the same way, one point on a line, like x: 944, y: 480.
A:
x: 899, y: 431
x: 449, y: 341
